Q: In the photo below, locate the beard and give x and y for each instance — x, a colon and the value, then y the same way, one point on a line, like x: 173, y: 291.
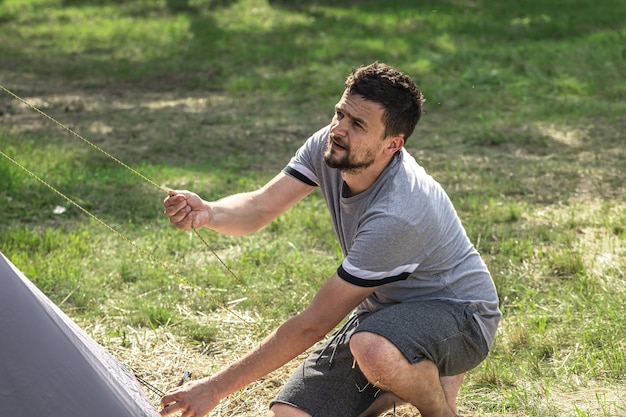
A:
x: 346, y: 163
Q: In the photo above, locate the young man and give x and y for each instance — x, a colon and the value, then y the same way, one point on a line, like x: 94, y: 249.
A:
x: 424, y: 306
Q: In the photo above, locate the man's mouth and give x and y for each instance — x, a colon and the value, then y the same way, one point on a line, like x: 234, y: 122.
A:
x: 335, y: 145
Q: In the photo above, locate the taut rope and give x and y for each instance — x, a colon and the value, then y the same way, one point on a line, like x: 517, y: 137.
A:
x: 117, y: 233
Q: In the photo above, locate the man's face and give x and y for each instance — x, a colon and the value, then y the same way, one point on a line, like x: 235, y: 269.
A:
x: 356, y: 134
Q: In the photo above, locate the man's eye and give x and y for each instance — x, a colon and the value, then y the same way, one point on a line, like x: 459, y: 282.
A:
x: 339, y: 114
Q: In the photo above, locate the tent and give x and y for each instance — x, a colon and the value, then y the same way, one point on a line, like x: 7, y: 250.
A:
x: 51, y: 367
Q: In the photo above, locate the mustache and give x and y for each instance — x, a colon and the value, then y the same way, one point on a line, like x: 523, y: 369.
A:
x: 333, y: 138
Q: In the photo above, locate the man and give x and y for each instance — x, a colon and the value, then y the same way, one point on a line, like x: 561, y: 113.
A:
x: 424, y: 306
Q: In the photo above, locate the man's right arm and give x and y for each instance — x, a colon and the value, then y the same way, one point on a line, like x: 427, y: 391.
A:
x: 335, y: 300
x: 238, y: 214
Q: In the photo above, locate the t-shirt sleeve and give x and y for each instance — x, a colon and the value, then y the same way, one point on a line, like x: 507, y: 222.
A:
x: 305, y: 164
x: 383, y: 251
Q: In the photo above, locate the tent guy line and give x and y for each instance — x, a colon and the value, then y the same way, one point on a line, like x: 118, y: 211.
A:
x: 119, y: 234
x: 144, y: 252
x: 52, y: 119
x: 148, y: 385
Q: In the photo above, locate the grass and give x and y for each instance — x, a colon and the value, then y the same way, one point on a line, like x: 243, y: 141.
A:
x: 523, y: 127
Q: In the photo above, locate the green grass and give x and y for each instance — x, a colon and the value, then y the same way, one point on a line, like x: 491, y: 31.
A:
x: 523, y: 127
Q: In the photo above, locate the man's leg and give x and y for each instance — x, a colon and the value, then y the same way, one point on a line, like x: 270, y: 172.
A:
x: 451, y: 386
x: 386, y: 401
x: 285, y: 410
x: 387, y: 368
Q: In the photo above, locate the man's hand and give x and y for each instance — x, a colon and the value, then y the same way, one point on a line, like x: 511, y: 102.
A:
x: 186, y: 210
x: 194, y: 399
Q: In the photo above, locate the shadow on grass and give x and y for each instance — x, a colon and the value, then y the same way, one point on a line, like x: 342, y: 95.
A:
x: 403, y: 34
x: 448, y: 45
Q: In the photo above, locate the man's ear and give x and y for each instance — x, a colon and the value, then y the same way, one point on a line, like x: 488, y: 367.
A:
x: 395, y: 144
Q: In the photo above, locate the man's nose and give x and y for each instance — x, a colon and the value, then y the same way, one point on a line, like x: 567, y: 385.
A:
x: 339, y: 128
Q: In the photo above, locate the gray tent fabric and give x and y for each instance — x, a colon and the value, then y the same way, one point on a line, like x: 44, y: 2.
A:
x: 50, y: 367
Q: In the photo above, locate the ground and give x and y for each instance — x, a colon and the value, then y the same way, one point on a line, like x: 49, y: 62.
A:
x: 127, y: 120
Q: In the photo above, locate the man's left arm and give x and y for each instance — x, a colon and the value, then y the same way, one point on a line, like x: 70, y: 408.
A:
x: 330, y: 305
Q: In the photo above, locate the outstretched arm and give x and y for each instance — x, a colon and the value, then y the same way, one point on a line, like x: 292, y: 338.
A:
x: 330, y: 305
x: 238, y: 214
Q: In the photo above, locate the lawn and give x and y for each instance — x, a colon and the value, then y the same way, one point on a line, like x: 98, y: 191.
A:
x: 524, y: 128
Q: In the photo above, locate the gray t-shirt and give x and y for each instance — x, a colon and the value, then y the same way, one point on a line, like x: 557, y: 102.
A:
x: 401, y: 235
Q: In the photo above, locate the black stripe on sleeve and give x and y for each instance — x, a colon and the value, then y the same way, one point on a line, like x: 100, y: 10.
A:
x: 297, y: 175
x: 369, y: 282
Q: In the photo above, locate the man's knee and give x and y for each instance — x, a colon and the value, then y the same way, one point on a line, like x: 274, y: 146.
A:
x: 285, y: 410
x: 377, y: 357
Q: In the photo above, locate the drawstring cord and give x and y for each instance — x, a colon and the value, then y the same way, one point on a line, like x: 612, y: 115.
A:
x: 336, y: 339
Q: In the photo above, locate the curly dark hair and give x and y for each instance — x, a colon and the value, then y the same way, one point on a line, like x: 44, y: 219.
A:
x: 395, y: 91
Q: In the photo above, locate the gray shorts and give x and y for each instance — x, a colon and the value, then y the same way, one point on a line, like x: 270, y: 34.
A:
x: 329, y: 383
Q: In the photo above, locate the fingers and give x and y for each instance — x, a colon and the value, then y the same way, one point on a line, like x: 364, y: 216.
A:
x: 182, y: 217
x: 176, y: 402
x: 169, y: 398
x: 175, y: 197
x: 177, y: 208
x: 194, y: 399
x: 174, y: 408
x: 169, y: 404
x: 170, y: 409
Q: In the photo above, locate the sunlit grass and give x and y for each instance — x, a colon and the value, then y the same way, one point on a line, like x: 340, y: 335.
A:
x: 523, y: 128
